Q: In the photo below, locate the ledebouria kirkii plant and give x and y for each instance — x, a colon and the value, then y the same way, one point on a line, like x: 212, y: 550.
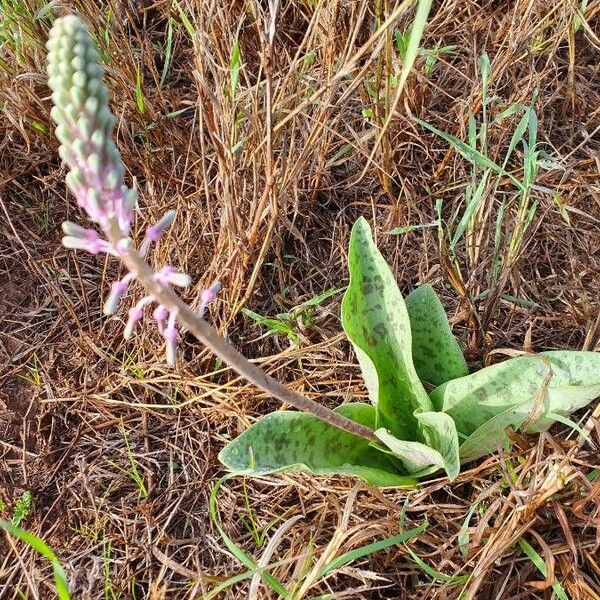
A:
x: 404, y: 348
x: 84, y: 126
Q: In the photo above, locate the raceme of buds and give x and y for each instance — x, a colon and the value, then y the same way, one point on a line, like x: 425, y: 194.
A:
x: 84, y: 127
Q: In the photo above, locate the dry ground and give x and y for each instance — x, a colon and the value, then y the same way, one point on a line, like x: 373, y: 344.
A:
x: 271, y: 220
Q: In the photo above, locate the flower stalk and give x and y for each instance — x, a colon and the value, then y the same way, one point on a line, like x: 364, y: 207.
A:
x: 84, y: 125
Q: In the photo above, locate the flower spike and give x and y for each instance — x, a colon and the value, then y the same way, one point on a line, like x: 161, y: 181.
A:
x: 84, y: 126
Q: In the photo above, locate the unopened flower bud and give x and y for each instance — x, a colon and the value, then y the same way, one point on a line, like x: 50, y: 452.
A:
x: 88, y: 240
x: 155, y: 232
x: 135, y: 314
x: 169, y: 275
x: 210, y: 294
x: 118, y: 288
x: 84, y: 121
x: 160, y: 313
x: 171, y: 336
x: 73, y: 229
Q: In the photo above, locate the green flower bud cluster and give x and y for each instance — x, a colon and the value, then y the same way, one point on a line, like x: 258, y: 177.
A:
x: 85, y: 124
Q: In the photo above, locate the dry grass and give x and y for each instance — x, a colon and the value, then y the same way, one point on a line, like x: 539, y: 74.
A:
x: 271, y: 221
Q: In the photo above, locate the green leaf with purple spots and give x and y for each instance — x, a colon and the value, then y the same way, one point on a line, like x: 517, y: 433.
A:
x: 440, y: 450
x: 528, y: 391
x: 376, y: 322
x: 294, y: 441
x: 491, y: 435
x: 436, y: 353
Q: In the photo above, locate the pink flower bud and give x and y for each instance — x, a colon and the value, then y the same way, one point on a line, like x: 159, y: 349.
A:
x: 73, y: 229
x: 171, y: 336
x: 135, y: 314
x: 85, y: 239
x: 169, y: 275
x: 117, y: 290
x: 209, y: 295
x: 160, y: 315
x: 155, y: 232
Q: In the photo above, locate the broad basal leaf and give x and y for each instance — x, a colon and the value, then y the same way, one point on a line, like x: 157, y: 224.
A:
x: 475, y: 399
x: 523, y: 391
x: 492, y: 435
x: 376, y: 322
x: 294, y: 441
x: 558, y: 382
x: 439, y: 452
x: 575, y: 383
x: 436, y: 353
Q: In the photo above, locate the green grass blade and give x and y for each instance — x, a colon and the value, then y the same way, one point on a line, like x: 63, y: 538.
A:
x: 139, y: 93
x: 463, y: 536
x: 239, y: 554
x: 517, y: 136
x: 410, y: 228
x: 414, y: 41
x: 473, y: 156
x: 570, y: 423
x: 234, y: 68
x: 578, y: 20
x: 472, y: 206
x: 533, y: 128
x: 60, y: 577
x: 472, y: 132
x: 228, y: 583
x: 540, y: 564
x: 319, y: 298
x: 368, y: 549
x: 186, y: 21
x: 168, y: 51
x: 433, y: 573
x: 412, y: 51
x: 485, y: 68
x: 510, y: 111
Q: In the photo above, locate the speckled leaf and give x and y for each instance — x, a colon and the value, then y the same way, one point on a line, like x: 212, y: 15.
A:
x: 475, y: 399
x: 491, y: 436
x: 575, y: 383
x: 439, y: 452
x: 436, y: 353
x: 376, y: 322
x: 294, y: 441
x: 550, y: 382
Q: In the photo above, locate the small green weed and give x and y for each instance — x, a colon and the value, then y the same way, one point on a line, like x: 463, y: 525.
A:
x: 34, y: 373
x: 287, y: 322
x: 22, y: 508
x: 132, y: 472
x: 60, y: 577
